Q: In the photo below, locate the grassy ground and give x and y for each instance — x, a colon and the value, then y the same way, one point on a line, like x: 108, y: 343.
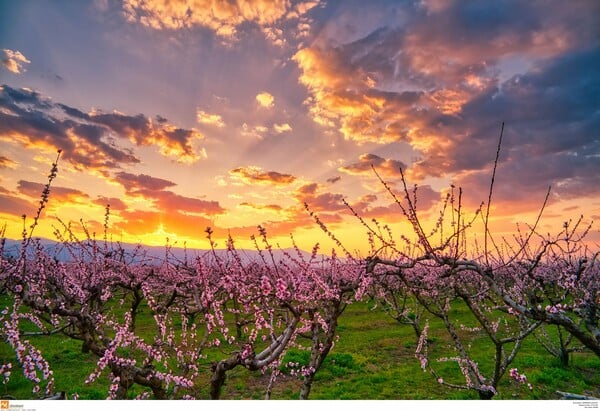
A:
x: 374, y: 359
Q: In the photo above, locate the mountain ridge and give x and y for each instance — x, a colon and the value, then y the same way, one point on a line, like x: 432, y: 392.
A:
x: 60, y: 250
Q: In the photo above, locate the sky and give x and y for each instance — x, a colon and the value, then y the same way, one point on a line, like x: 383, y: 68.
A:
x: 183, y: 115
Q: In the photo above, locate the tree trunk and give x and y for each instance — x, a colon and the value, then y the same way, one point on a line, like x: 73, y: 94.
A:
x: 563, y: 356
x: 306, y: 386
x: 319, y: 350
x: 219, y: 375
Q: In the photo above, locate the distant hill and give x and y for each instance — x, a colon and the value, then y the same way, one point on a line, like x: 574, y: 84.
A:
x: 138, y: 252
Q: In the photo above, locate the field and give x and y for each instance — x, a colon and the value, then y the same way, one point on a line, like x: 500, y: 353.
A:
x: 373, y: 359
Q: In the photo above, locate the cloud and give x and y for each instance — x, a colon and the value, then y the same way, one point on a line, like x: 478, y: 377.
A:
x: 444, y: 78
x: 393, y: 83
x: 274, y: 35
x: 385, y: 167
x: 14, y: 61
x: 343, y: 96
x: 265, y: 100
x: 15, y: 205
x: 426, y: 198
x: 552, y: 118
x: 254, y: 132
x: 153, y: 189
x: 282, y: 128
x: 268, y: 207
x: 224, y: 18
x: 368, y: 206
x: 181, y: 215
x: 57, y: 194
x: 114, y: 203
x: 170, y: 140
x: 255, y: 175
x: 334, y: 180
x: 6, y: 162
x: 167, y: 200
x: 209, y: 119
x: 134, y: 183
x: 28, y: 118
x: 317, y: 201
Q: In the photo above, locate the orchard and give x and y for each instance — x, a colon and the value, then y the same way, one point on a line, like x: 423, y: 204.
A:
x: 173, y: 328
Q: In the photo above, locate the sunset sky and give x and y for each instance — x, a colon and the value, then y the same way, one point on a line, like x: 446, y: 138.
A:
x: 229, y: 114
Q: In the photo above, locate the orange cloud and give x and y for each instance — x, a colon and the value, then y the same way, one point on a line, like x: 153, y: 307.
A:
x: 274, y: 35
x: 344, y: 97
x: 418, y: 84
x: 302, y: 7
x: 255, y: 175
x: 153, y: 189
x: 167, y: 200
x: 6, y: 162
x: 265, y: 100
x: 209, y: 119
x: 57, y: 194
x: 450, y: 101
x: 222, y: 17
x: 301, y: 220
x: 32, y: 120
x: 171, y: 140
x: 268, y: 207
x: 317, y: 201
x: 282, y: 128
x: 14, y: 61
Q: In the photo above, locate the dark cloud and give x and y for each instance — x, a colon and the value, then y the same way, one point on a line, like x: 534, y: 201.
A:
x: 161, y: 119
x: 445, y: 78
x: 11, y: 98
x: 88, y: 140
x: 134, y: 183
x: 423, y: 199
x: 328, y: 202
x: 73, y: 112
x: 522, y: 181
x: 254, y: 175
x: 385, y: 167
x: 552, y: 116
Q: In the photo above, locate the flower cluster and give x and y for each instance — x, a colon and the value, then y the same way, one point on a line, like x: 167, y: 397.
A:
x: 5, y: 372
x: 557, y: 308
x: 520, y: 378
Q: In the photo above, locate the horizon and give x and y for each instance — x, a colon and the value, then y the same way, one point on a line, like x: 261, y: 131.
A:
x: 182, y: 116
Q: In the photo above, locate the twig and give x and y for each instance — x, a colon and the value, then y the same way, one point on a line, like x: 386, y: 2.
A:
x: 489, y: 202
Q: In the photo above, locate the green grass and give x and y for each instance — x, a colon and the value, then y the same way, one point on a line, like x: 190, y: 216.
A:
x: 373, y: 359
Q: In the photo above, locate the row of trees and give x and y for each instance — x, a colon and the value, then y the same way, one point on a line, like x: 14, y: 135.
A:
x: 252, y: 312
x: 255, y: 311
